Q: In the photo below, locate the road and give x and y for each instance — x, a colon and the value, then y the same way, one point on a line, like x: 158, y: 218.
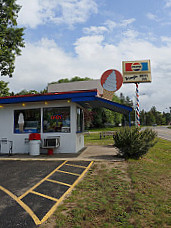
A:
x: 163, y: 132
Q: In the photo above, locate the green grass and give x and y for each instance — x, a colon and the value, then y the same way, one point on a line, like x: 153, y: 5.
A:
x: 128, y: 194
x: 151, y: 186
x: 94, y: 139
x: 96, y: 202
x: 104, y: 129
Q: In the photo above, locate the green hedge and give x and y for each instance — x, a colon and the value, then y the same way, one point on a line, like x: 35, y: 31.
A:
x: 133, y: 142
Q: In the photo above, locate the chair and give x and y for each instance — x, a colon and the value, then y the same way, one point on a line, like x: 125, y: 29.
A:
x: 6, y: 141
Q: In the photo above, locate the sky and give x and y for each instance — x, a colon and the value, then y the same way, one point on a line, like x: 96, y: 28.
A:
x: 67, y: 38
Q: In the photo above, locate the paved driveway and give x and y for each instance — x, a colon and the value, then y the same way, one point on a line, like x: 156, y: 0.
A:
x: 30, y: 191
x: 162, y: 131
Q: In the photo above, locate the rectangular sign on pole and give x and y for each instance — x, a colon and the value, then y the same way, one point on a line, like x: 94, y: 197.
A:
x: 136, y: 71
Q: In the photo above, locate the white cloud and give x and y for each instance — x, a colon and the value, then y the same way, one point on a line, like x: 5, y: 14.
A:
x: 125, y: 23
x: 95, y: 30
x: 167, y: 3
x: 166, y: 39
x: 108, y: 26
x: 152, y: 17
x: 44, y: 61
x: 70, y: 12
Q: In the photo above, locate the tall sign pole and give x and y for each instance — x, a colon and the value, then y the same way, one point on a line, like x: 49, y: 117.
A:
x: 136, y: 72
x: 137, y: 107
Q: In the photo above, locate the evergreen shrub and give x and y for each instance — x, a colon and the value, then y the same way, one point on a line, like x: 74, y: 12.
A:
x: 133, y: 142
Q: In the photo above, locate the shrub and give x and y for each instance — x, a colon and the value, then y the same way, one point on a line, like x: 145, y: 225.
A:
x: 133, y: 142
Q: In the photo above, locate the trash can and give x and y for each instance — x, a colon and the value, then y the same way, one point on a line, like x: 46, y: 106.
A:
x: 50, y: 151
x: 34, y: 144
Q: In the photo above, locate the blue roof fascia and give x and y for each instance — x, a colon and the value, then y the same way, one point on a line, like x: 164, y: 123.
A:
x: 64, y: 96
x: 82, y: 99
x: 115, y: 104
x: 94, y: 98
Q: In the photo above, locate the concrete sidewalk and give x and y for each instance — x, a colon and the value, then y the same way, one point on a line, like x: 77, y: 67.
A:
x: 89, y: 153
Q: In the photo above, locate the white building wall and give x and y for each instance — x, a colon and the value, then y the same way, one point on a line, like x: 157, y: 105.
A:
x: 79, y: 141
x: 69, y: 142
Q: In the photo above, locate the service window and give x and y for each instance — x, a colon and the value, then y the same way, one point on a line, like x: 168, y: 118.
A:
x: 80, y: 120
x: 56, y: 119
x: 27, y: 121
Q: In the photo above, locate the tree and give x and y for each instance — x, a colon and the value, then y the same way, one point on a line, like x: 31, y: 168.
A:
x: 74, y: 79
x: 27, y: 92
x: 4, y: 90
x: 11, y: 37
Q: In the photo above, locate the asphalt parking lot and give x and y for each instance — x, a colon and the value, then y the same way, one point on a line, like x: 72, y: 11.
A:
x: 30, y: 191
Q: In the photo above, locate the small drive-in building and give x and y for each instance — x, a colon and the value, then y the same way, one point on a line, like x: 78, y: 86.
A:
x: 53, y: 115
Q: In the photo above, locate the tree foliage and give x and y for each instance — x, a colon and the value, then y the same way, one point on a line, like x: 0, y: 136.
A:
x: 74, y: 79
x: 11, y: 37
x: 27, y: 92
x: 134, y: 143
x: 154, y: 117
x: 4, y: 90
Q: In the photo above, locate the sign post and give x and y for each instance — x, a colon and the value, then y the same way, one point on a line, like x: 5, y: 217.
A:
x: 136, y: 72
x: 137, y: 107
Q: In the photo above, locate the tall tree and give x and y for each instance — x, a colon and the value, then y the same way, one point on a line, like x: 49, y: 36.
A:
x: 11, y: 37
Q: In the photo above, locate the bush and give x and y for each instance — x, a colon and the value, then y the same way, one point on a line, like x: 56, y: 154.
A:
x: 133, y: 142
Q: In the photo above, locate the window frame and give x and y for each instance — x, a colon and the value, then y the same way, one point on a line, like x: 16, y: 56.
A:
x: 29, y: 131
x: 60, y: 107
x: 81, y: 115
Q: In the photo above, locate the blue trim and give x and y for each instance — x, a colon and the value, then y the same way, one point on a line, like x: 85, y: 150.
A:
x: 115, y: 104
x: 81, y: 99
x: 84, y: 99
x: 49, y: 97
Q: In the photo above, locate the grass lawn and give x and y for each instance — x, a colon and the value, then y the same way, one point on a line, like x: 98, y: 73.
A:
x: 134, y: 193
x: 104, y: 129
x: 94, y: 139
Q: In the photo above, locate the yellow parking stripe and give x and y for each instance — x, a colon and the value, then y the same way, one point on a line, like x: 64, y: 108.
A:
x: 79, y: 166
x: 58, y: 182
x: 23, y: 205
x: 40, y: 182
x: 58, y: 201
x: 52, y: 210
x: 68, y: 172
x: 45, y: 196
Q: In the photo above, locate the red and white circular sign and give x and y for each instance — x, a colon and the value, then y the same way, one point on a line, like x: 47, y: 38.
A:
x: 111, y: 80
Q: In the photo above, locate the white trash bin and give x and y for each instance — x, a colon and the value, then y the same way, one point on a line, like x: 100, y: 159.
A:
x: 34, y: 147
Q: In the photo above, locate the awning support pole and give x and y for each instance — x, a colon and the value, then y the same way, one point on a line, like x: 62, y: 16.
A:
x: 130, y: 119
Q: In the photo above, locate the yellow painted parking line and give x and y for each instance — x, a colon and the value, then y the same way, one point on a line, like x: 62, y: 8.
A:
x: 40, y: 182
x: 52, y: 210
x: 58, y: 201
x: 23, y: 205
x: 58, y: 182
x: 79, y: 166
x: 45, y: 196
x: 61, y: 171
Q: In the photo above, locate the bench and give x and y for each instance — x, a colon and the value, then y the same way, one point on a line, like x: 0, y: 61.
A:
x: 107, y: 133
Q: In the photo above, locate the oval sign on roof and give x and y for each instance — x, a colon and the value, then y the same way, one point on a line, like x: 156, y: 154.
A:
x: 111, y: 80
